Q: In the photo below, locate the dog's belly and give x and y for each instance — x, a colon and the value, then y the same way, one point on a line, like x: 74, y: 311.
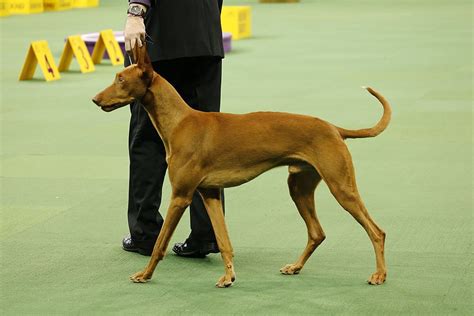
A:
x: 226, y: 178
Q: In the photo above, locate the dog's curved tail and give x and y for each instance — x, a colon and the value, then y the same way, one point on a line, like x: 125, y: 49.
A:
x: 375, y: 130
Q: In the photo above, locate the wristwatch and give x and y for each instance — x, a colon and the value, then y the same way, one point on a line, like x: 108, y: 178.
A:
x: 136, y: 10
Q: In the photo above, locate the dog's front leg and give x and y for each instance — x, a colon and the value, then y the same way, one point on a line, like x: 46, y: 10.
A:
x: 175, y: 211
x: 213, y: 202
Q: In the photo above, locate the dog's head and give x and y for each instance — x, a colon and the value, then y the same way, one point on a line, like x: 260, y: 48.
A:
x: 129, y: 85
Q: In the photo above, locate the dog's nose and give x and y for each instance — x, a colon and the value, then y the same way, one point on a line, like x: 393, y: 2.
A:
x: 95, y: 101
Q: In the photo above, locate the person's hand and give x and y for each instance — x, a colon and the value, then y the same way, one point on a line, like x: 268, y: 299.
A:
x: 134, y: 33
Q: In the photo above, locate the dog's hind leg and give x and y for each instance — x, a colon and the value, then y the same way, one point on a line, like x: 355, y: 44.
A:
x: 212, y: 201
x: 178, y: 203
x: 302, y: 182
x: 338, y: 173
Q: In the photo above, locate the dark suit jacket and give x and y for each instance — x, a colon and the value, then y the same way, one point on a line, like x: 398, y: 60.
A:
x: 184, y: 28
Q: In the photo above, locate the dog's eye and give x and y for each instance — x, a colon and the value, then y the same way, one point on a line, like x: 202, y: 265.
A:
x: 120, y: 79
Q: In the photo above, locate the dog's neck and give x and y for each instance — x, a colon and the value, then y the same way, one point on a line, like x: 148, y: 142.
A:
x: 164, y: 106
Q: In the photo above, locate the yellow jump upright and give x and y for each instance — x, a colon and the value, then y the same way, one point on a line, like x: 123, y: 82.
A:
x: 75, y: 47
x: 107, y: 42
x: 237, y: 21
x: 39, y: 53
x: 57, y: 5
x: 25, y: 6
x: 85, y: 3
x: 4, y: 8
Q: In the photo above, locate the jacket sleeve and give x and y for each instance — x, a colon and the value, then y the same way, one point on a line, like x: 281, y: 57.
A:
x: 146, y: 3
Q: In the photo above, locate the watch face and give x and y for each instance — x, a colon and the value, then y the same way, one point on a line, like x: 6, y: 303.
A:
x: 135, y: 10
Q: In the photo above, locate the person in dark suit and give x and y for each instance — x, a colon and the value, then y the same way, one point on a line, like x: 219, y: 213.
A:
x: 184, y: 41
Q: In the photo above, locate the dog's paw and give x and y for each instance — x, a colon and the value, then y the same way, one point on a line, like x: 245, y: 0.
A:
x: 377, y: 278
x: 291, y: 269
x: 140, y: 277
x: 225, y: 281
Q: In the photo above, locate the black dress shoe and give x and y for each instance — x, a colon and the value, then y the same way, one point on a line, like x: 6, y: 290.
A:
x: 129, y: 245
x: 192, y: 249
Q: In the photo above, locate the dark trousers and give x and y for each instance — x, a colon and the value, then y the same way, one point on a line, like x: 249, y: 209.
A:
x: 198, y: 81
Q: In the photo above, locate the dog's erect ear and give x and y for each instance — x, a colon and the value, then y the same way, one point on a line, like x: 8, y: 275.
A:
x: 143, y: 60
x: 134, y: 53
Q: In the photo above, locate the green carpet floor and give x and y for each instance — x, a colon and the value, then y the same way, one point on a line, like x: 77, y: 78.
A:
x: 64, y: 168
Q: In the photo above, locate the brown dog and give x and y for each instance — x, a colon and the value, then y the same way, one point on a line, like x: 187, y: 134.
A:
x: 211, y: 151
